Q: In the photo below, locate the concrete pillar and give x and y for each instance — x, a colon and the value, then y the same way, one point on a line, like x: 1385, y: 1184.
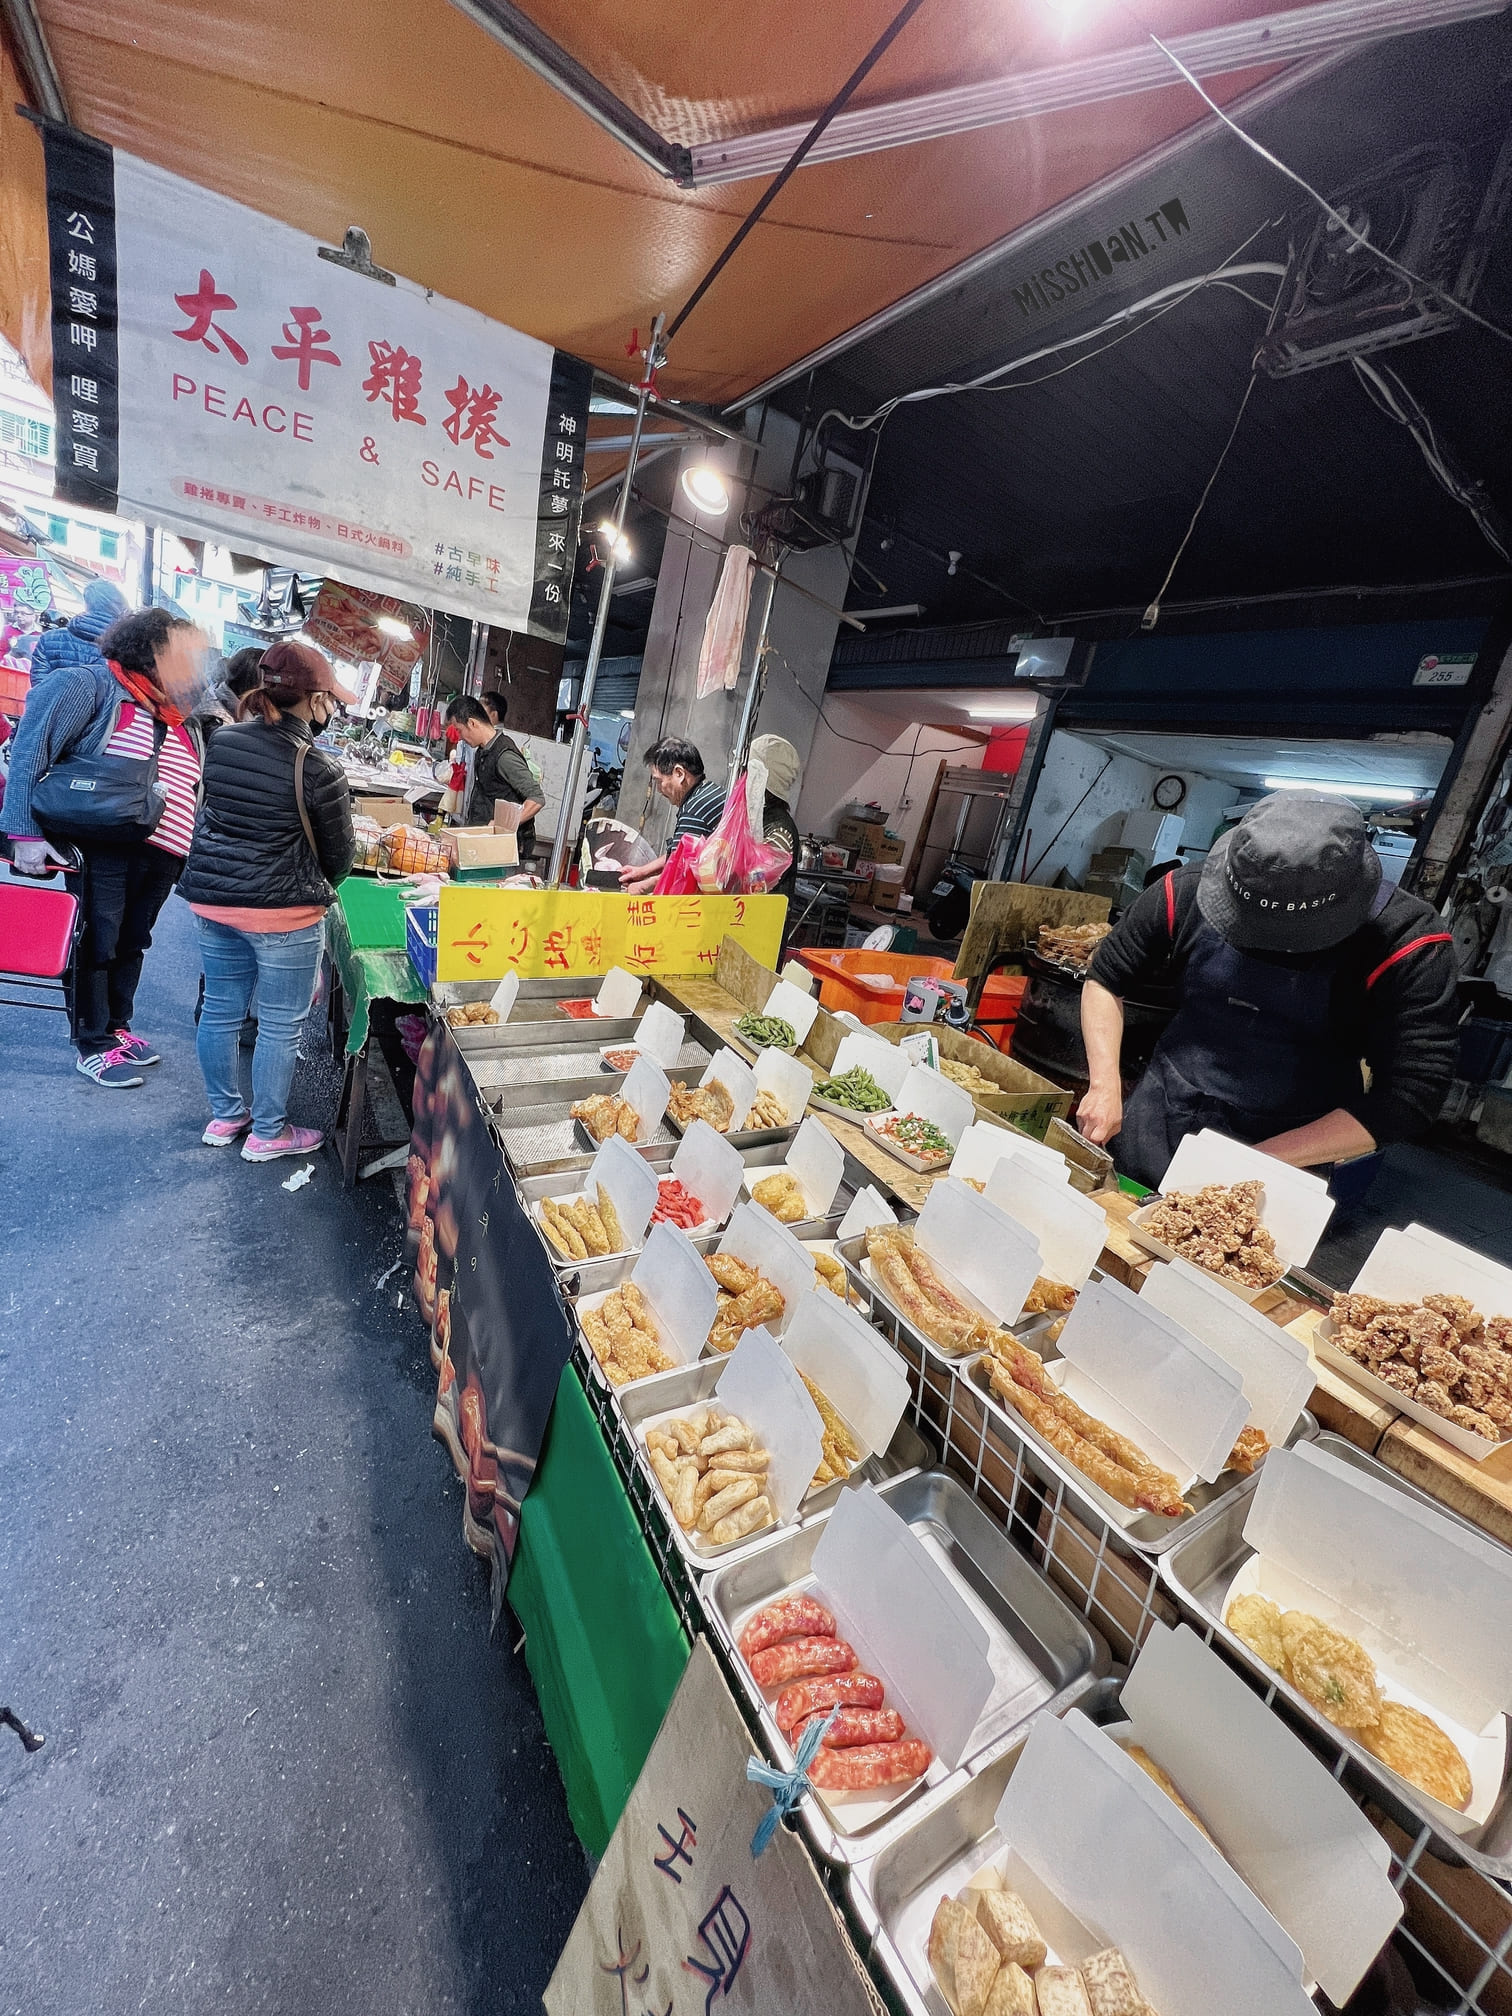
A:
x: 801, y: 633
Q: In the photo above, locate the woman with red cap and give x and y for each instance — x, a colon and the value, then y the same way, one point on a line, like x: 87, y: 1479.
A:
x: 273, y: 839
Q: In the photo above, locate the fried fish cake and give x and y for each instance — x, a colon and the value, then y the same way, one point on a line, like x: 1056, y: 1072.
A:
x: 1257, y: 1621
x: 1412, y: 1745
x: 1335, y: 1673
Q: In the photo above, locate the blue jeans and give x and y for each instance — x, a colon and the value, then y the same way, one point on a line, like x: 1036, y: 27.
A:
x: 282, y: 967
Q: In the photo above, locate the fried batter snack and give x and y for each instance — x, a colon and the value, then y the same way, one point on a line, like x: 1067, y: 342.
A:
x: 767, y: 1110
x: 1437, y: 1352
x: 713, y: 1473
x: 622, y: 1336
x: 561, y: 1231
x: 731, y: 1274
x: 1047, y: 1295
x: 1411, y: 1744
x: 1219, y: 1228
x: 782, y: 1195
x: 711, y: 1102
x: 842, y: 1452
x: 1335, y: 1672
x: 610, y: 1220
x: 1114, y: 1464
x: 1249, y: 1451
x: 831, y: 1275
x: 1257, y: 1621
x: 605, y: 1113
x: 748, y: 1299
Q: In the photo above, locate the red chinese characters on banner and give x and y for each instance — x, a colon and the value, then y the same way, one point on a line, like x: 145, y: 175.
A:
x: 474, y: 945
x: 302, y: 342
x: 472, y: 417
x: 395, y: 377
x: 559, y: 949
x: 202, y: 307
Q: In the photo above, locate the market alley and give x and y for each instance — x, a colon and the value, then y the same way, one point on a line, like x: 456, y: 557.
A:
x: 285, y: 1768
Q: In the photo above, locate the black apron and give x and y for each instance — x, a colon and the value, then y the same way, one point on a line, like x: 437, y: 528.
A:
x: 1250, y: 1052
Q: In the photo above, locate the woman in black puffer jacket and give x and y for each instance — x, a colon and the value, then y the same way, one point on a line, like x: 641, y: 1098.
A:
x: 274, y: 836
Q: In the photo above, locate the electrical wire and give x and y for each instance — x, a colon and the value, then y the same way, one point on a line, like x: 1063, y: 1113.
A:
x: 1361, y: 238
x: 1385, y: 390
x: 1152, y: 615
x: 1030, y: 873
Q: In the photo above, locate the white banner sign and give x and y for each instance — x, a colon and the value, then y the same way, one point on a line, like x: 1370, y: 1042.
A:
x: 213, y: 374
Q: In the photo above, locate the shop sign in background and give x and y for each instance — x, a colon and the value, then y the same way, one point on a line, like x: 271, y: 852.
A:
x: 212, y: 372
x: 562, y: 933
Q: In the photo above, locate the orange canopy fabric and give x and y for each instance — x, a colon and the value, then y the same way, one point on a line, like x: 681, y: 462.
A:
x: 475, y: 177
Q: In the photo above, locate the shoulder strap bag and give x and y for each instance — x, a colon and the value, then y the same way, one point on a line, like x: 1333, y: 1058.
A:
x: 304, y: 818
x: 87, y: 795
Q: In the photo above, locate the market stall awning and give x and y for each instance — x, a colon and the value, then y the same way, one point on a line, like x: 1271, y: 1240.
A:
x: 479, y: 178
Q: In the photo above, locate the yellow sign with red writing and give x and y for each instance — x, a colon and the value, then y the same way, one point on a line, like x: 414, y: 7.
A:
x: 563, y: 934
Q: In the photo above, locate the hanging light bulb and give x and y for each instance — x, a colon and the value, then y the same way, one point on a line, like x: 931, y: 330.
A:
x: 619, y: 545
x: 706, y: 489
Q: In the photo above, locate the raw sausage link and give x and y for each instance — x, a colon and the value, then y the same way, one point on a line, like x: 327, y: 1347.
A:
x: 871, y: 1765
x: 798, y: 1658
x: 846, y: 1690
x: 793, y: 1617
x: 856, y: 1725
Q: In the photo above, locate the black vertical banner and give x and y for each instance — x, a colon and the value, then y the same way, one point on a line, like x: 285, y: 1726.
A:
x: 81, y: 229
x: 564, y: 451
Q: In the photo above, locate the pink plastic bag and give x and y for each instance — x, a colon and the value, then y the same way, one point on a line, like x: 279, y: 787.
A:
x: 732, y: 861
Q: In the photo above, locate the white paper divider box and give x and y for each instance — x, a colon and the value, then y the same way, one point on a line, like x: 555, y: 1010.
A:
x: 1148, y: 1377
x: 754, y: 1236
x: 786, y: 1003
x: 646, y: 1089
x: 738, y: 1079
x: 679, y: 1290
x: 1275, y: 1367
x: 1429, y: 1599
x: 933, y: 1096
x: 661, y: 1033
x: 984, y: 1145
x: 1071, y: 1230
x: 1102, y: 1857
x: 906, y: 1622
x: 867, y: 1208
x: 618, y: 995
x: 1295, y: 1208
x: 995, y: 1261
x: 710, y: 1169
x: 1404, y: 1266
x: 815, y: 1160
x: 1284, y: 1822
x: 505, y: 995
x: 857, y: 1371
x: 761, y: 1386
x: 787, y: 1080
x: 884, y: 1061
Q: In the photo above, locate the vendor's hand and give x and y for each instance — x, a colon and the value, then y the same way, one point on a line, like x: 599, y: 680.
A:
x: 645, y: 884
x: 1100, y: 1114
x: 35, y: 857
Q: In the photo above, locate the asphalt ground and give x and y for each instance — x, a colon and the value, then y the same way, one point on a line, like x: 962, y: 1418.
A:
x: 286, y: 1769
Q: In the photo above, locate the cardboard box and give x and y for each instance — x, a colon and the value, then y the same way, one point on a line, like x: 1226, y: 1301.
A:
x: 387, y: 811
x: 481, y: 847
x: 870, y: 838
x: 885, y: 847
x: 851, y: 832
x: 884, y: 895
x: 1027, y: 1100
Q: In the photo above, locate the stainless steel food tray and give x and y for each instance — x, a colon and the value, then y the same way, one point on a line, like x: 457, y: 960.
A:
x: 1043, y: 1654
x: 530, y: 1066
x: 593, y: 1277
x: 1148, y: 1532
x: 894, y: 1895
x: 1198, y: 1570
x: 667, y: 1392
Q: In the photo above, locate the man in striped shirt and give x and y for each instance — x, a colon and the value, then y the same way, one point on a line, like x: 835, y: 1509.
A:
x: 677, y: 773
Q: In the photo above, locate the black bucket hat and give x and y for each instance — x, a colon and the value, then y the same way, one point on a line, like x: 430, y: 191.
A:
x: 1297, y: 874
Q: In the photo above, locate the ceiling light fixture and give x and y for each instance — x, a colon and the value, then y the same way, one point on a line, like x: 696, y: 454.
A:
x: 706, y: 489
x: 1394, y: 794
x: 395, y: 626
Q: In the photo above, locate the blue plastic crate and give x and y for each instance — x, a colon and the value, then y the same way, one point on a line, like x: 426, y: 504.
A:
x: 422, y: 934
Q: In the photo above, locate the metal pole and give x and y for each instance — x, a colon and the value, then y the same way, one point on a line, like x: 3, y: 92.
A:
x: 753, y: 691
x: 566, y: 817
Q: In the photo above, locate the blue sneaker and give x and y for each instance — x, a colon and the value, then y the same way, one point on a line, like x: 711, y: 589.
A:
x: 136, y: 1048
x: 112, y: 1069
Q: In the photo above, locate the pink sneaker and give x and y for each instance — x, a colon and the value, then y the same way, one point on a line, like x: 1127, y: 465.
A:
x: 226, y: 1133
x: 292, y: 1141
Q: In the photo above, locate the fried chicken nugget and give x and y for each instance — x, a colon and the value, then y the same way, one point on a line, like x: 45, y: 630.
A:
x: 596, y: 1331
x: 1257, y: 1621
x: 1335, y: 1672
x: 554, y: 1232
x: 568, y: 1233
x: 640, y: 1311
x: 590, y: 1226
x: 1412, y: 1745
x: 831, y: 1274
x: 771, y: 1190
x: 617, y: 1319
x: 626, y: 1122
x: 724, y: 1337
